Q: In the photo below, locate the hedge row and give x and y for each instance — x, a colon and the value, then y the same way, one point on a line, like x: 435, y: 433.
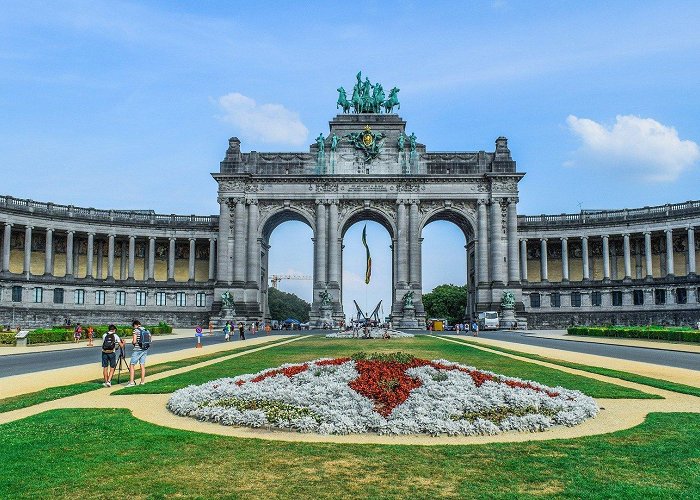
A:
x: 7, y: 338
x: 65, y: 334
x: 680, y: 334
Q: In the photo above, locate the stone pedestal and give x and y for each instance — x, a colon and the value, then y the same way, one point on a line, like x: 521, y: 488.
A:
x: 226, y: 314
x: 508, y: 318
x: 325, y: 317
x: 408, y: 320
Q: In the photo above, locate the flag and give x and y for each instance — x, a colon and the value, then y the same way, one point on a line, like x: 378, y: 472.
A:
x: 368, y: 271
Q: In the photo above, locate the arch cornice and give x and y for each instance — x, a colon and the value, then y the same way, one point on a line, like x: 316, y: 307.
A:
x: 274, y: 213
x: 382, y: 212
x: 461, y: 213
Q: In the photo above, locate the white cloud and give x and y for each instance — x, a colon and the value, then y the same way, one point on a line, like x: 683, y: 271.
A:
x: 270, y: 123
x: 637, y: 145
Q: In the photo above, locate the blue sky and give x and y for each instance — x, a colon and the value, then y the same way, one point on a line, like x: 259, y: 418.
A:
x: 130, y: 105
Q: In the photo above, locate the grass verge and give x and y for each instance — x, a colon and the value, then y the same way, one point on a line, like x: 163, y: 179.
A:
x: 420, y: 346
x: 66, y: 454
x: 629, y: 377
x: 53, y: 393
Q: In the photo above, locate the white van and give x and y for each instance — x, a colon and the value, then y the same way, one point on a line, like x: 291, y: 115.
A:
x: 489, y: 320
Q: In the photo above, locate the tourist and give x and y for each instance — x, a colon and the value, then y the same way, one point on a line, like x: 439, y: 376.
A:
x: 77, y: 333
x: 211, y: 328
x: 90, y: 336
x: 475, y: 329
x: 110, y: 341
x: 227, y: 331
x: 253, y: 327
x: 241, y: 330
x: 141, y: 339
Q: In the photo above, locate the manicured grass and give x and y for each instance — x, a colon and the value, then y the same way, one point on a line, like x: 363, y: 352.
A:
x: 76, y: 453
x: 420, y: 346
x: 52, y: 393
x: 630, y: 377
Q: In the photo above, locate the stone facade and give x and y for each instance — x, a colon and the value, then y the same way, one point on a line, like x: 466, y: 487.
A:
x: 63, y: 262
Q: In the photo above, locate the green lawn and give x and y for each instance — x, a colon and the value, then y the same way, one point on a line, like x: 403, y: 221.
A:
x: 109, y: 454
x: 52, y: 393
x: 609, y: 372
x: 421, y: 346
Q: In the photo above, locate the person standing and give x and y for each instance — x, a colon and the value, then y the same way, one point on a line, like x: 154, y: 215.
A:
x: 110, y: 341
x: 77, y: 333
x: 90, y: 336
x: 475, y: 329
x: 241, y: 330
x: 211, y: 328
x: 141, y: 340
x: 227, y: 331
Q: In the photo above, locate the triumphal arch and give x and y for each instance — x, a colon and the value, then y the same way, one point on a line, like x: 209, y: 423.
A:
x: 367, y: 167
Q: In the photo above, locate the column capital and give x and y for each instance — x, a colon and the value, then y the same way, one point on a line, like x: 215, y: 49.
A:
x: 584, y: 238
x: 49, y: 230
x: 625, y: 235
x: 132, y: 236
x: 70, y: 232
x: 544, y: 240
x: 401, y: 202
x: 91, y: 233
x: 171, y: 238
x: 333, y: 202
x: 152, y: 237
x: 251, y: 201
x: 605, y: 236
x: 29, y: 227
x: 8, y: 224
x: 523, y: 240
x: 512, y: 200
x: 645, y: 233
x: 415, y: 202
x: 192, y: 238
x: 564, y: 239
x: 212, y: 239
x: 668, y: 231
x: 482, y: 202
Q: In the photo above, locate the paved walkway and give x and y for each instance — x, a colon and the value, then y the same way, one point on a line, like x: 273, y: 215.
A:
x: 648, y: 344
x: 615, y: 414
x: 22, y: 384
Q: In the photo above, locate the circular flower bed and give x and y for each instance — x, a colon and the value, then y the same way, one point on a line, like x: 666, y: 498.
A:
x: 383, y: 393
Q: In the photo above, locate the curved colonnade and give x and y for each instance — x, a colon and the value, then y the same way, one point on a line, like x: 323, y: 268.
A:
x: 63, y: 262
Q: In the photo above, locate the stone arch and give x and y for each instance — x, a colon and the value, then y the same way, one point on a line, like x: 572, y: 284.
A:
x: 465, y: 221
x: 271, y: 221
x: 360, y: 213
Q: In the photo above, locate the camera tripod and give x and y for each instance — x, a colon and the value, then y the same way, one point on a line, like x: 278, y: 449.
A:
x: 122, y: 362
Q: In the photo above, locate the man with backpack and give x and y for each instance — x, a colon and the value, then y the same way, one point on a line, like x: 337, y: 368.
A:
x: 110, y: 341
x: 141, y: 339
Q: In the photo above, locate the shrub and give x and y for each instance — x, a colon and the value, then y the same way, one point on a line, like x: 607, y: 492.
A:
x: 681, y: 334
x: 7, y: 338
x: 65, y: 334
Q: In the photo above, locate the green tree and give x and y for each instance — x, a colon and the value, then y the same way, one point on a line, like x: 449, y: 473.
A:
x: 285, y: 305
x: 446, y: 301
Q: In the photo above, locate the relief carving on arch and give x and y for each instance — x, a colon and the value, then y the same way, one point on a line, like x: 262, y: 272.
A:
x: 231, y: 185
x: 504, y: 184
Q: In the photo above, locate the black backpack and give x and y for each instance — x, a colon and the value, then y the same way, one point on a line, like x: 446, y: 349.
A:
x: 109, y: 343
x: 144, y: 339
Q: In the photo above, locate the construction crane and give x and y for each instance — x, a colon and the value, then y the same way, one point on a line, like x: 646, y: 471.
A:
x: 276, y: 278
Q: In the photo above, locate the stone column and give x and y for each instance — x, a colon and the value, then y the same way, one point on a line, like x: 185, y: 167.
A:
x: 414, y: 245
x: 69, y: 254
x: 499, y: 272
x: 626, y: 254
x: 253, y: 274
x: 100, y: 251
x: 123, y: 260
x: 90, y: 251
x: 7, y: 236
x: 482, y: 244
x: 212, y: 259
x: 669, y: 252
x: 110, y: 257
x: 333, y: 244
x: 151, y: 258
x: 691, y: 251
x: 513, y: 265
x: 239, y: 241
x: 544, y: 271
x: 190, y: 261
x: 27, y: 250
x: 48, y: 253
x: 565, y: 259
x: 132, y: 252
x: 402, y: 240
x: 584, y: 258
x: 224, y: 250
x: 320, y: 245
x: 647, y: 255
x: 523, y: 260
x: 606, y: 257
x: 171, y: 258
